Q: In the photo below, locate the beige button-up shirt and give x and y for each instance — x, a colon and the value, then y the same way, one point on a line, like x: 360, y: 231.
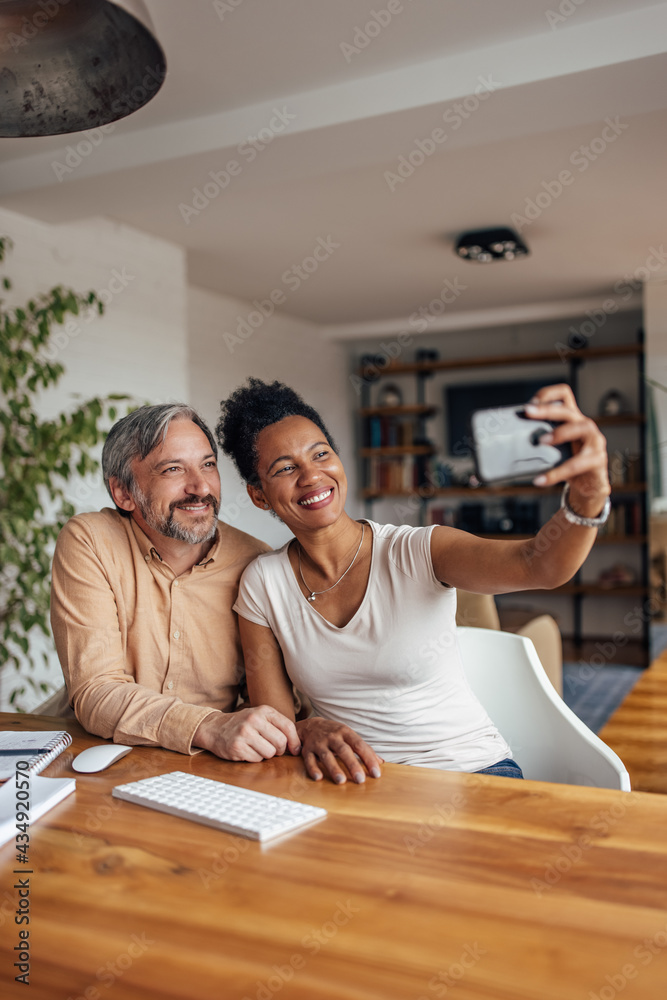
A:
x: 146, y: 655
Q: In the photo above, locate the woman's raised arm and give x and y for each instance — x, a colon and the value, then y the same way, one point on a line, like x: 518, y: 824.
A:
x: 552, y: 557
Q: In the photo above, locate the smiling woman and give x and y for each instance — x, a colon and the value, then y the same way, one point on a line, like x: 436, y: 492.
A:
x: 361, y: 616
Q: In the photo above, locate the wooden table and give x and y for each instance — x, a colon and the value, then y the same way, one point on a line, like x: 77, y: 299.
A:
x: 419, y: 885
x: 637, y: 731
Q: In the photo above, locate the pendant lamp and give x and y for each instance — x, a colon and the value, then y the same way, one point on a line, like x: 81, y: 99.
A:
x: 69, y: 65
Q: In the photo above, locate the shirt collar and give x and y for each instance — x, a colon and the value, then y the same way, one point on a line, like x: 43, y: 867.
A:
x: 148, y: 550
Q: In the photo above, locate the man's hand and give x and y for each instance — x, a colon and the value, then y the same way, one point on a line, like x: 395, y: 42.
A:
x: 252, y: 734
x: 324, y: 743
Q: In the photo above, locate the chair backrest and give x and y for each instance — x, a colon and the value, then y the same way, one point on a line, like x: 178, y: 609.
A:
x: 548, y: 741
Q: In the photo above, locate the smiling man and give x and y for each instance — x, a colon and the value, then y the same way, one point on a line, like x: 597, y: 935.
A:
x: 141, y: 599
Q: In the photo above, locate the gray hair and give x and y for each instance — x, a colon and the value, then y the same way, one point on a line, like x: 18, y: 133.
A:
x: 137, y: 434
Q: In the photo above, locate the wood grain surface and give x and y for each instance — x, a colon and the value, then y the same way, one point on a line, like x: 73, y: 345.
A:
x: 637, y: 731
x: 422, y: 884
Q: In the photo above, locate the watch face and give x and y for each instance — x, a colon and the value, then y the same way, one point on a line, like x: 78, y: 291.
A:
x: 586, y: 522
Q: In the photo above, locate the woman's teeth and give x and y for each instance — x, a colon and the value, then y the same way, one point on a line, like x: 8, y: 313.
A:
x: 320, y: 496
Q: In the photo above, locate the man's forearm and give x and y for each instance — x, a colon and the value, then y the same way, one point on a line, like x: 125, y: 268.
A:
x: 130, y: 713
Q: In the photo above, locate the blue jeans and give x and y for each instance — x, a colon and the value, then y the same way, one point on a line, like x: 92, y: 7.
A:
x: 507, y: 768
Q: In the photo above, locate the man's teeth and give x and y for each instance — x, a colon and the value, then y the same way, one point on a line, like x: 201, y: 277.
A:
x: 199, y: 506
x: 321, y: 496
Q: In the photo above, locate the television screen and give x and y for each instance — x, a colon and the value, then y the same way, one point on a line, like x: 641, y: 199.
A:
x: 461, y: 401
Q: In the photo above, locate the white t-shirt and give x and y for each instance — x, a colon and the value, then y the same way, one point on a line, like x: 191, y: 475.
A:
x: 394, y: 672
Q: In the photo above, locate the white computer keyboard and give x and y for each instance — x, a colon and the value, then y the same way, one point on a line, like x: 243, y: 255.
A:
x: 225, y: 807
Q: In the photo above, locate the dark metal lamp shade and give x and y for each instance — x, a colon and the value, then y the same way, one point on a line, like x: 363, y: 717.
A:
x: 68, y: 65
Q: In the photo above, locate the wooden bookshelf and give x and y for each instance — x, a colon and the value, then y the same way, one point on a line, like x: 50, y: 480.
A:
x: 398, y: 411
x: 628, y: 531
x: 493, y: 360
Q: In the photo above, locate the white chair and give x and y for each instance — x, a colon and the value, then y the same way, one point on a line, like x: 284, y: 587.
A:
x: 548, y: 741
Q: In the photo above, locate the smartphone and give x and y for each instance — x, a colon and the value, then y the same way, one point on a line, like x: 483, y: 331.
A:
x: 506, y: 445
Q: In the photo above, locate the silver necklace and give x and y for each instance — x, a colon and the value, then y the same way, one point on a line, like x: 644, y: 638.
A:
x: 316, y: 593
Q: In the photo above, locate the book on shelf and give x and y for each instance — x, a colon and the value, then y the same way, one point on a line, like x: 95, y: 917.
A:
x: 398, y: 474
x: 625, y: 519
x: 388, y: 432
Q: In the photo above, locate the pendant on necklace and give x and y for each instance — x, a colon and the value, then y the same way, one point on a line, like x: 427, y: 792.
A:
x: 312, y: 597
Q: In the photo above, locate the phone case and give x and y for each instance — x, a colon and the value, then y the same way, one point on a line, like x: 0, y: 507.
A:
x: 507, y: 445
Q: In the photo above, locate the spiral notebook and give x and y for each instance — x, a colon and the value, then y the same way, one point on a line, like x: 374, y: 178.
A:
x: 39, y: 749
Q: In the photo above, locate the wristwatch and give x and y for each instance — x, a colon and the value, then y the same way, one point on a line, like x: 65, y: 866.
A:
x: 574, y: 518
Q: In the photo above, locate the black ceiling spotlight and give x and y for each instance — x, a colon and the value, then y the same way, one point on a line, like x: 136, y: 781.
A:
x: 485, y: 245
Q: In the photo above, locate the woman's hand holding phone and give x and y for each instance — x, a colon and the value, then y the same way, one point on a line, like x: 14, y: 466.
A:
x: 586, y: 470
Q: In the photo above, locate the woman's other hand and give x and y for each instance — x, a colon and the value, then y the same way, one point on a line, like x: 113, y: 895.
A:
x: 326, y: 745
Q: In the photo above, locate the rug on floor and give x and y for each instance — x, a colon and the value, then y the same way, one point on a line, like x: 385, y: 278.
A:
x: 594, y: 693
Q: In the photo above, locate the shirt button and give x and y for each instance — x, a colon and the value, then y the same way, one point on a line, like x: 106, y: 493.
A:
x: 176, y: 583
x: 177, y: 634
x: 170, y: 685
x: 147, y: 558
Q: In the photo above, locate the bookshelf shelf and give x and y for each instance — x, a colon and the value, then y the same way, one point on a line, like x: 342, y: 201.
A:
x: 396, y: 464
x: 398, y: 411
x: 620, y: 419
x: 396, y: 450
x: 491, y: 361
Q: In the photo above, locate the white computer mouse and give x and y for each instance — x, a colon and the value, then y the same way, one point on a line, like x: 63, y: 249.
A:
x: 97, y: 758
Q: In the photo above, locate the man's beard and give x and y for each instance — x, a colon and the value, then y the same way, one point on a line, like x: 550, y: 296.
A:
x: 169, y: 526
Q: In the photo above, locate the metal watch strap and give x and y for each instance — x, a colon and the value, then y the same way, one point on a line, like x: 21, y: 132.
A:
x: 574, y: 518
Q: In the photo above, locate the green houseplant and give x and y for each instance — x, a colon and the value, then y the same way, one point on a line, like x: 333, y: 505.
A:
x: 38, y: 458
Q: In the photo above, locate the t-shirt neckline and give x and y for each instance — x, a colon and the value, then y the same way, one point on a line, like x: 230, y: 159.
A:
x: 294, y: 583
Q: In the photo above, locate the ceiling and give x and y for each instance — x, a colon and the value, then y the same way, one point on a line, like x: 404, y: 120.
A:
x: 518, y: 93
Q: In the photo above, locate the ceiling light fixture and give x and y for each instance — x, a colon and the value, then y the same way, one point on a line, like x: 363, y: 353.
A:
x: 69, y: 65
x: 485, y: 245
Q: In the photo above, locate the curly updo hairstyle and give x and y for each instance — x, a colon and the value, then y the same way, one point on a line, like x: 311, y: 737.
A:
x: 250, y: 409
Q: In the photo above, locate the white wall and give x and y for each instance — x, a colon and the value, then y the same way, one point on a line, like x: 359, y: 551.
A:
x: 139, y: 347
x: 280, y: 347
x: 655, y: 316
x: 159, y: 341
